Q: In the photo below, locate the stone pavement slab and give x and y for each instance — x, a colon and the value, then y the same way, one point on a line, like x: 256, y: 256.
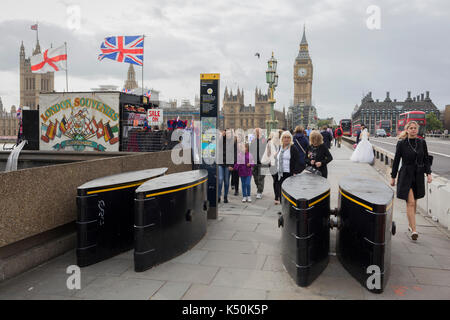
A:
x: 171, y: 291
x: 213, y: 292
x: 116, y: 288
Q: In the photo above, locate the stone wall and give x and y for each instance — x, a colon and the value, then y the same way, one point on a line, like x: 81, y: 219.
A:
x: 40, y: 199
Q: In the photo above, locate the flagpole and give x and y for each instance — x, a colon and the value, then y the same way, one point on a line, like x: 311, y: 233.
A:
x: 143, y: 45
x: 67, y: 77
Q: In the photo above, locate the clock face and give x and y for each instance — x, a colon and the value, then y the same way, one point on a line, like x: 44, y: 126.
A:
x: 302, y: 72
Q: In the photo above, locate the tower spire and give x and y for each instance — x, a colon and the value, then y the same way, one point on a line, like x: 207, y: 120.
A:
x: 304, y: 36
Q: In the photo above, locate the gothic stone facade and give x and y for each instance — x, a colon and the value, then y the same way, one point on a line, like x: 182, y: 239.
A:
x: 9, y: 125
x: 32, y: 84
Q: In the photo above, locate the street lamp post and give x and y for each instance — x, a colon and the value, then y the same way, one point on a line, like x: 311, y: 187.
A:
x: 272, y: 81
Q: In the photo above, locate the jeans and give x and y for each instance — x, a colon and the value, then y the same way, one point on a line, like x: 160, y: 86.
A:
x: 246, y: 182
x: 224, y: 178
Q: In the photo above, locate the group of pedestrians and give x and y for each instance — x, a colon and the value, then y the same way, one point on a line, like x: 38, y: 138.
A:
x: 281, y: 155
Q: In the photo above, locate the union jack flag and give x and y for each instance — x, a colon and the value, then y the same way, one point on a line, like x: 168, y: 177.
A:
x: 126, y: 90
x: 128, y: 49
x: 148, y: 94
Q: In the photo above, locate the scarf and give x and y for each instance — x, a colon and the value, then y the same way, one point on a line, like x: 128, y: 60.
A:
x: 280, y: 162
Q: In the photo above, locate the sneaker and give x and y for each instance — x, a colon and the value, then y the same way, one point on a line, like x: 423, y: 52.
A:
x: 225, y: 200
x: 249, y: 199
x: 277, y: 202
x: 258, y: 196
x: 244, y: 199
x: 413, y: 235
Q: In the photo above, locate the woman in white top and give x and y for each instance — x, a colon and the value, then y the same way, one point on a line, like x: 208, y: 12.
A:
x: 364, y: 150
x: 287, y: 163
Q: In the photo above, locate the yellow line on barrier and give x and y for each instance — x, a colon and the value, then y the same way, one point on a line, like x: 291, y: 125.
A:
x: 357, y: 202
x: 288, y: 199
x: 175, y: 190
x: 117, y: 188
x: 311, y: 204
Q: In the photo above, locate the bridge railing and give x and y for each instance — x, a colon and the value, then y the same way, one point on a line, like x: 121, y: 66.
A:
x: 439, y: 136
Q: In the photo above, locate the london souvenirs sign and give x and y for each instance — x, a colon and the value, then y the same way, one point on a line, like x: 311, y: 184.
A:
x: 85, y: 121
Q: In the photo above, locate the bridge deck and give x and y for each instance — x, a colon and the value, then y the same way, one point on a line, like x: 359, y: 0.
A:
x: 239, y: 258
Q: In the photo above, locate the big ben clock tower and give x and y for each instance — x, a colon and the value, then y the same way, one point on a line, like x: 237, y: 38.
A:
x: 303, y: 75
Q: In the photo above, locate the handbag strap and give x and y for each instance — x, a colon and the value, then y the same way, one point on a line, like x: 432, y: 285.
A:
x: 300, y: 146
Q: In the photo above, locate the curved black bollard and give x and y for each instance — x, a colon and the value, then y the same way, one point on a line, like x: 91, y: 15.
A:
x: 363, y: 243
x: 105, y: 216
x: 170, y: 217
x: 306, y: 233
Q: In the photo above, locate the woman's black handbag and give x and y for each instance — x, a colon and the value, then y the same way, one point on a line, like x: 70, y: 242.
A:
x: 313, y: 170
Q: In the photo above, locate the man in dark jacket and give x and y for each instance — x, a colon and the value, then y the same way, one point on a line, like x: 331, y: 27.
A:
x: 301, y: 143
x: 326, y: 137
x: 358, y: 134
x: 257, y: 148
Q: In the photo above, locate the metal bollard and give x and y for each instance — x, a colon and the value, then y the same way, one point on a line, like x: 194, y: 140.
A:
x: 105, y: 216
x: 305, y: 221
x: 364, y: 236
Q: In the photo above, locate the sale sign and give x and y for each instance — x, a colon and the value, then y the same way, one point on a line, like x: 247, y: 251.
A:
x: 155, y: 117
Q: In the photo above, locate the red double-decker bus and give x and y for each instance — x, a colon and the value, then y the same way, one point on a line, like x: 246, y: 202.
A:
x: 356, y: 128
x: 418, y: 116
x: 346, y: 125
x: 384, y: 124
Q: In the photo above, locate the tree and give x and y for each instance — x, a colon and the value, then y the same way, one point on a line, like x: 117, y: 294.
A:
x: 433, y: 123
x: 322, y: 123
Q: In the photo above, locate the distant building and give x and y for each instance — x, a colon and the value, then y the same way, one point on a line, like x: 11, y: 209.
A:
x: 9, y: 125
x: 32, y: 84
x: 131, y: 83
x: 186, y: 111
x: 370, y: 111
x: 239, y: 116
x: 305, y: 116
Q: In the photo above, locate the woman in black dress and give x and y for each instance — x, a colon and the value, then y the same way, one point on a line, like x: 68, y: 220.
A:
x: 415, y: 163
x: 318, y: 154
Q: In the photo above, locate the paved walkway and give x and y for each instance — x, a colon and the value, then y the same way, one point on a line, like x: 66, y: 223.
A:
x: 239, y: 258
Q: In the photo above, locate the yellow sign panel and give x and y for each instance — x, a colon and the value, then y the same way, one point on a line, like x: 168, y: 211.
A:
x: 210, y: 76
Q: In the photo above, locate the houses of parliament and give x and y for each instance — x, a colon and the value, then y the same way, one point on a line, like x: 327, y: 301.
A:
x: 31, y: 84
x: 302, y: 112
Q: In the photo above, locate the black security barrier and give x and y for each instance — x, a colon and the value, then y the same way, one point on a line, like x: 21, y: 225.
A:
x: 106, y: 215
x: 170, y: 217
x: 306, y: 232
x: 365, y: 226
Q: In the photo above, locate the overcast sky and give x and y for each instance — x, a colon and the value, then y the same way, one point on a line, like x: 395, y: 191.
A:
x: 409, y: 52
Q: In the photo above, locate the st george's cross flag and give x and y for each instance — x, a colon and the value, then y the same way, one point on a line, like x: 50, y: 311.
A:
x: 51, y: 60
x: 128, y: 49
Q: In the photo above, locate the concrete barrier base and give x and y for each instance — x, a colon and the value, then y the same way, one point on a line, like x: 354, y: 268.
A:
x: 29, y: 253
